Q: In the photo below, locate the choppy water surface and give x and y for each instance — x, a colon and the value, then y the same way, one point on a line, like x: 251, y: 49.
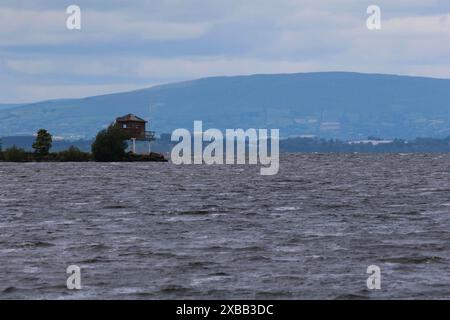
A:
x: 156, y: 230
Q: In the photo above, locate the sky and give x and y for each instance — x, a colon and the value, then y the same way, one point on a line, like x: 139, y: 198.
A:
x: 125, y: 45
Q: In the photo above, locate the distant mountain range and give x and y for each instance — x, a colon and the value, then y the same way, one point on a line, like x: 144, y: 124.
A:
x: 8, y: 106
x: 326, y: 104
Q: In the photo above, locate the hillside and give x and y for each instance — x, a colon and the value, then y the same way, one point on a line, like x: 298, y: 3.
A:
x: 331, y: 104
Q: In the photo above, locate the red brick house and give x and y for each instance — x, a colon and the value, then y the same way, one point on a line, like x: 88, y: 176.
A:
x: 135, y: 129
x: 132, y: 125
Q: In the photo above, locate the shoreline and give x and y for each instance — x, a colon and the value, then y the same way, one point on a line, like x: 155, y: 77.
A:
x: 82, y: 157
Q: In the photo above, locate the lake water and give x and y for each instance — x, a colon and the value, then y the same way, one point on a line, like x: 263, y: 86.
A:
x: 161, y: 231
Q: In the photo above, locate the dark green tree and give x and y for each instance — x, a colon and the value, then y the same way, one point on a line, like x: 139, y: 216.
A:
x: 43, y: 143
x: 110, y: 145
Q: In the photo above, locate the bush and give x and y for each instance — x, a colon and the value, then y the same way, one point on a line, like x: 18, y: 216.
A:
x: 73, y: 154
x: 109, y: 145
x: 15, y: 154
x: 157, y: 157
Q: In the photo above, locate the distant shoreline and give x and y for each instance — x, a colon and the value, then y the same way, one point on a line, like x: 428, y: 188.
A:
x: 163, y: 145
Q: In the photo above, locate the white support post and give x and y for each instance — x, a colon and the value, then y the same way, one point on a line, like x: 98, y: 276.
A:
x: 134, y: 145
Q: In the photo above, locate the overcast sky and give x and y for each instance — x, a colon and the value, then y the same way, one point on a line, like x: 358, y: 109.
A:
x: 125, y: 45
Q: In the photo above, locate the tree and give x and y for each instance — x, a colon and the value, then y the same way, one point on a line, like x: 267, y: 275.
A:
x: 110, y: 144
x: 43, y: 143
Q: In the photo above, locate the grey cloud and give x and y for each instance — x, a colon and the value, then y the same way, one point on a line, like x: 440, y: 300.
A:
x: 134, y: 44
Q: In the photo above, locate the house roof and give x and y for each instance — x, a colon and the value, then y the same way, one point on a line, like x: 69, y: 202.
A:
x: 130, y: 117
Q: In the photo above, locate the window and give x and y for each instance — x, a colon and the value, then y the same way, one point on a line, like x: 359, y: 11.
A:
x: 124, y: 126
